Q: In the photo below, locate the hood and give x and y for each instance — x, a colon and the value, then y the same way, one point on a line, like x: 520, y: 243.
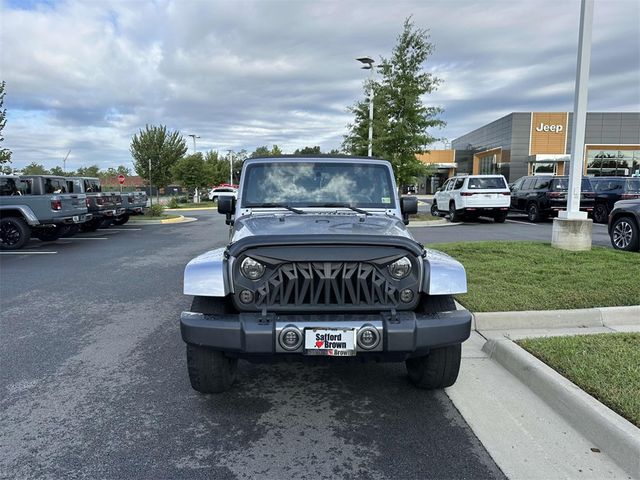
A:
x: 318, y: 224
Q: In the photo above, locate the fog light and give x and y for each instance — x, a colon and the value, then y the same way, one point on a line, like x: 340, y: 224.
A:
x: 368, y: 338
x: 251, y: 268
x: 290, y: 338
x: 406, y: 295
x: 246, y: 296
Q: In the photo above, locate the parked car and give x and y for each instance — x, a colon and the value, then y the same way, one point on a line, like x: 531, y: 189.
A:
x: 624, y: 225
x: 320, y: 265
x: 37, y: 206
x: 133, y: 203
x: 218, y: 192
x: 609, y: 190
x: 104, y: 206
x: 540, y: 196
x: 471, y: 196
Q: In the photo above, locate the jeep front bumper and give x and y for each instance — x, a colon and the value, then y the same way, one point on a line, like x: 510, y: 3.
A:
x: 252, y: 333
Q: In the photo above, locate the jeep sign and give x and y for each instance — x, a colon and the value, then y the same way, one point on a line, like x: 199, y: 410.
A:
x: 549, y: 128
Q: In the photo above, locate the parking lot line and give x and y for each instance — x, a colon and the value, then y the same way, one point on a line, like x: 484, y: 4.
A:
x: 122, y: 229
x: 523, y: 223
x: 26, y: 253
x: 84, y: 238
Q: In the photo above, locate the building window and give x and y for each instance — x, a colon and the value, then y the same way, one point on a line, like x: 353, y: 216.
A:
x: 543, y: 168
x: 622, y: 163
x: 488, y: 165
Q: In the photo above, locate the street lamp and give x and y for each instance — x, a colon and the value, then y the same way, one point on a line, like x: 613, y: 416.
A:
x: 368, y: 65
x: 194, y: 136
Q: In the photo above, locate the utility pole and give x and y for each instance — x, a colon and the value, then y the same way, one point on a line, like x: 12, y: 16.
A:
x: 230, y: 167
x: 150, y: 195
x: 572, y: 230
x: 368, y: 65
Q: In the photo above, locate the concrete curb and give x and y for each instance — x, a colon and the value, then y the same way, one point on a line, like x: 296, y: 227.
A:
x: 614, y: 435
x: 432, y: 223
x: 189, y: 209
x: 587, y: 317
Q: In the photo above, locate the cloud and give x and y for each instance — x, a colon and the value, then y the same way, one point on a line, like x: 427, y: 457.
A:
x: 86, y: 76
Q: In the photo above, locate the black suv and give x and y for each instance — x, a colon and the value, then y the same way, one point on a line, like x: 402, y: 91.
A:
x: 624, y: 225
x: 544, y: 195
x: 609, y: 190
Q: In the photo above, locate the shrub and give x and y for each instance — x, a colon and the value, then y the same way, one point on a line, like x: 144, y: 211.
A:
x: 155, y: 210
x: 183, y: 199
x: 173, y: 203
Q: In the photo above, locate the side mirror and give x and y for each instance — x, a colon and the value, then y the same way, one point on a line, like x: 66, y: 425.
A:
x: 227, y: 206
x: 408, y: 206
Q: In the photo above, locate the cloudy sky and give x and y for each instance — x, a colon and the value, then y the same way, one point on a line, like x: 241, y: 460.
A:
x: 87, y: 75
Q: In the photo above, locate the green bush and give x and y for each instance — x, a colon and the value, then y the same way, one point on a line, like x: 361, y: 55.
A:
x: 155, y: 210
x: 183, y: 199
x: 173, y: 203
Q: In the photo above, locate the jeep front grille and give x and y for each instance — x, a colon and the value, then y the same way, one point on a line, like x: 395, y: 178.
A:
x: 327, y: 284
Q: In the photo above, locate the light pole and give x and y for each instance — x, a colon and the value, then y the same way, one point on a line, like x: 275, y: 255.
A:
x: 150, y: 195
x: 194, y: 136
x: 368, y: 65
x: 230, y: 167
x: 572, y: 230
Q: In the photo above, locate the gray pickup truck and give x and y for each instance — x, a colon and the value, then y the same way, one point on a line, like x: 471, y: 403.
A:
x: 104, y: 206
x: 38, y: 206
x: 320, y: 266
x: 134, y: 203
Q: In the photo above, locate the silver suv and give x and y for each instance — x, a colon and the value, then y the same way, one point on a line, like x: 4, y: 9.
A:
x: 320, y: 265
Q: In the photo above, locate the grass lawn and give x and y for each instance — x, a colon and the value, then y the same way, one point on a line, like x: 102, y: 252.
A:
x: 202, y: 204
x: 510, y: 276
x: 606, y: 366
x: 164, y: 216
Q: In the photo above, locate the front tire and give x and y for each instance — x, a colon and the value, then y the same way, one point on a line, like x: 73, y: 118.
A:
x: 434, y: 209
x: 69, y: 230
x: 625, y: 234
x: 14, y: 233
x: 210, y: 371
x: 90, y: 226
x: 439, y: 369
x: 47, y: 234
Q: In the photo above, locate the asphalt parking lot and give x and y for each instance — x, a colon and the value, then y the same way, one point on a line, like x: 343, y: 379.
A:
x: 94, y: 381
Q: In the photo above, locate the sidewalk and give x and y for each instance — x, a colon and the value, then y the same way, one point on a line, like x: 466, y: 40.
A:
x: 534, y: 422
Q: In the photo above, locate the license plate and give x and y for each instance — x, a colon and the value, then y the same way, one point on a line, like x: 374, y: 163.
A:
x: 329, y: 341
x: 489, y: 195
x: 76, y: 218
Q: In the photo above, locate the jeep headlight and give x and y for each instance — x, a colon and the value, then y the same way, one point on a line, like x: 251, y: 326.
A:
x: 400, y: 268
x: 251, y: 268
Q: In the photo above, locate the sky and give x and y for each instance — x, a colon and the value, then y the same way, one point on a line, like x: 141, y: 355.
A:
x: 85, y: 76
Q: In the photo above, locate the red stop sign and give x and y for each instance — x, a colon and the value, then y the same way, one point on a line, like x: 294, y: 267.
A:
x: 120, y: 179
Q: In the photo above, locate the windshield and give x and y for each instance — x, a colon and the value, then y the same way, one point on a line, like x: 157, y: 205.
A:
x: 633, y: 185
x: 308, y: 184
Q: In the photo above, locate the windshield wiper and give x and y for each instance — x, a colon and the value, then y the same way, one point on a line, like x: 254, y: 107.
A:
x: 278, y: 205
x: 344, y: 205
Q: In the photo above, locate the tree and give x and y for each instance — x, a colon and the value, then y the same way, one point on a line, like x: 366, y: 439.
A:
x: 307, y: 151
x: 5, y: 153
x: 162, y: 148
x: 191, y: 171
x: 265, y: 152
x: 58, y: 171
x: 114, y: 172
x: 401, y: 120
x: 91, y: 171
x: 35, y: 169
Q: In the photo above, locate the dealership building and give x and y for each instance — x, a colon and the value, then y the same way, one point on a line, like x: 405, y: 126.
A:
x: 533, y: 143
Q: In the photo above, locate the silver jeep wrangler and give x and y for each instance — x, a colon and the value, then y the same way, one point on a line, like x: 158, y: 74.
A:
x: 320, y: 266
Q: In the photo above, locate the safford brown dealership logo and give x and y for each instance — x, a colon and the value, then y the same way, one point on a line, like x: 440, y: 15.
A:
x: 548, y: 133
